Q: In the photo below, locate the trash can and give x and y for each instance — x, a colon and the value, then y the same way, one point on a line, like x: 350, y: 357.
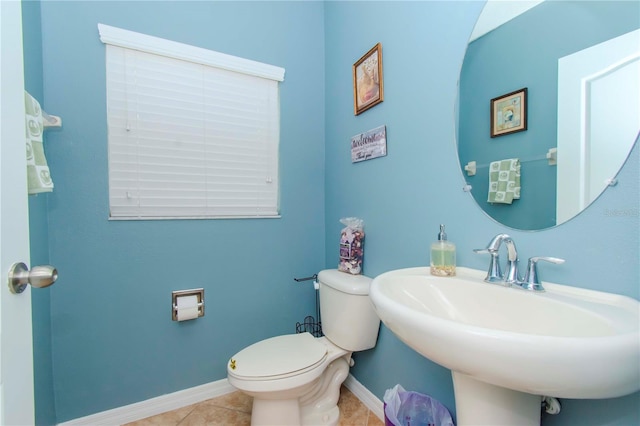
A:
x: 403, y: 408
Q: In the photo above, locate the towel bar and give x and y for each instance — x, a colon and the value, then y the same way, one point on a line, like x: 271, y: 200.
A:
x: 51, y: 120
x: 551, y: 156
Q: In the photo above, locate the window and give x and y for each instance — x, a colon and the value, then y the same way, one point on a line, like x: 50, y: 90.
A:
x: 192, y: 133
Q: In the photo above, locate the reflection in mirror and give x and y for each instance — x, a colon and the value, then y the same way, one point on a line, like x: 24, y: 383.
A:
x: 588, y: 111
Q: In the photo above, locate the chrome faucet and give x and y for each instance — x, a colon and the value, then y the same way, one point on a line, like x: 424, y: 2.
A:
x: 531, y: 279
x: 494, y: 274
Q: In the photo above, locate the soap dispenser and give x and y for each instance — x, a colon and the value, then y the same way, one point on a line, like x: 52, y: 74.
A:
x: 443, y: 256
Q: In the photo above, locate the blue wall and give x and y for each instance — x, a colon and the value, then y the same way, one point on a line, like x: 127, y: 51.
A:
x: 113, y: 342
x: 493, y: 67
x: 404, y: 196
x: 113, y: 339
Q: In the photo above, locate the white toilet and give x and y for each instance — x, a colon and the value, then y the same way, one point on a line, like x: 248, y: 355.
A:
x: 295, y: 379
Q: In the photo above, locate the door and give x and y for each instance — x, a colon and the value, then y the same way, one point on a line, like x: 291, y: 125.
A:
x: 16, y: 346
x: 598, y: 116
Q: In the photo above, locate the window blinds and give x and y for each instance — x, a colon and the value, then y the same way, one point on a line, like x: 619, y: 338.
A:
x: 189, y: 140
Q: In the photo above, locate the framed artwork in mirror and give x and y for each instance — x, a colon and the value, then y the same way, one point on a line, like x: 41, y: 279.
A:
x: 509, y: 113
x: 368, y: 89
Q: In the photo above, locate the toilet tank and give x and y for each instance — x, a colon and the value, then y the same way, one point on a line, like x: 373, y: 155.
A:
x: 346, y: 312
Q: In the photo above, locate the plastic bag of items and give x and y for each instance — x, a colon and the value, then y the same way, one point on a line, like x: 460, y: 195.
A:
x: 402, y: 408
x: 351, y: 245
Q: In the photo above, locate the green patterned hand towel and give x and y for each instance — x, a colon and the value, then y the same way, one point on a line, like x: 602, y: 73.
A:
x: 504, y: 181
x: 38, y: 176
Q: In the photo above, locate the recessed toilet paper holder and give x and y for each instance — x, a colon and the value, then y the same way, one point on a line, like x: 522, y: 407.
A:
x: 198, y: 292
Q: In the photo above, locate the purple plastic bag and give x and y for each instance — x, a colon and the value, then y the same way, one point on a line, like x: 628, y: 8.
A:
x: 402, y: 408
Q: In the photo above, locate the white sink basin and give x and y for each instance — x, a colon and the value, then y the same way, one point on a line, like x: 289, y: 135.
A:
x: 566, y: 342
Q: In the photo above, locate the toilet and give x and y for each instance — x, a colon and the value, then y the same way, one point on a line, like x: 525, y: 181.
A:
x: 295, y: 379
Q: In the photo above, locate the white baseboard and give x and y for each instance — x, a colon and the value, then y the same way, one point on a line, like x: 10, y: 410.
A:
x: 363, y: 394
x: 175, y: 400
x: 154, y: 406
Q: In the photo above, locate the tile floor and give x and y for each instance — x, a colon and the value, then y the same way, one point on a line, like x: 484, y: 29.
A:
x: 234, y: 409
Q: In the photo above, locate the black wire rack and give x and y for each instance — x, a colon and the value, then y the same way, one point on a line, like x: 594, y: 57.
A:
x: 310, y: 324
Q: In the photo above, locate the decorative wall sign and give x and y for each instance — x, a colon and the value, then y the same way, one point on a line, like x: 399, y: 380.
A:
x: 367, y: 80
x: 368, y: 145
x: 509, y: 113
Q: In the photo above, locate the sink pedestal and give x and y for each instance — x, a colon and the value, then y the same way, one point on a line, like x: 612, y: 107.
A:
x: 479, y: 403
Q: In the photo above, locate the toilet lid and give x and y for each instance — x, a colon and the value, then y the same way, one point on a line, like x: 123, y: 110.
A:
x: 278, y: 356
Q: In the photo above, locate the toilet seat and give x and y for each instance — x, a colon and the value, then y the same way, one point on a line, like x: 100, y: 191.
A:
x: 278, y: 357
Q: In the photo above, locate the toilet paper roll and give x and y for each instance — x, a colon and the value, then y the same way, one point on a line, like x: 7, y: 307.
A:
x: 186, y: 307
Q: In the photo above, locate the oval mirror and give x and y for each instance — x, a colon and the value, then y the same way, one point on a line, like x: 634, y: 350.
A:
x: 548, y: 106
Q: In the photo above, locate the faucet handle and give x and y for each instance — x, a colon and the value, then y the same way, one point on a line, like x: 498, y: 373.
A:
x: 483, y: 251
x: 494, y: 274
x: 531, y: 280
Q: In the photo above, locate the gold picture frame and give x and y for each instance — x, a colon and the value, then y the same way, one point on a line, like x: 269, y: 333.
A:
x: 368, y: 88
x: 509, y: 113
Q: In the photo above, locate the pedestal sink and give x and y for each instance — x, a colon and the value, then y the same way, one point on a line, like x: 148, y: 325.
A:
x: 508, y: 347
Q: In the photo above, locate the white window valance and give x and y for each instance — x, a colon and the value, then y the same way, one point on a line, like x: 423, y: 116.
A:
x: 159, y: 46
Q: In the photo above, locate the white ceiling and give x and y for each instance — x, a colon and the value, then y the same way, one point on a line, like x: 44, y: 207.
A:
x: 497, y: 12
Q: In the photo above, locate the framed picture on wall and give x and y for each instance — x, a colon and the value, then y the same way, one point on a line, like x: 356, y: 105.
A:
x: 368, y: 89
x: 509, y: 113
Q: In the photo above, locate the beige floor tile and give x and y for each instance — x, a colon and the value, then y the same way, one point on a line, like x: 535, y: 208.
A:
x: 234, y: 401
x: 373, y: 420
x: 171, y: 418
x: 205, y: 414
x: 235, y: 409
x: 352, y: 411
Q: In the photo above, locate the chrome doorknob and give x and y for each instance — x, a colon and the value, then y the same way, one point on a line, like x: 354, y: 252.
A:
x: 39, y: 277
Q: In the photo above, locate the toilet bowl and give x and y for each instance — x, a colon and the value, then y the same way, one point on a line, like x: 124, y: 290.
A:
x: 295, y: 379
